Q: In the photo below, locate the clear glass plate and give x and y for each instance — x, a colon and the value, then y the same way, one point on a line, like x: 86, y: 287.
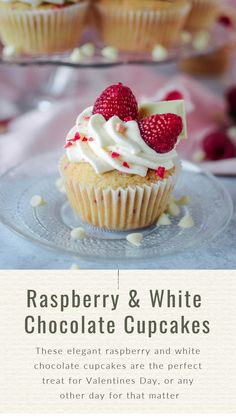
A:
x: 218, y: 37
x: 50, y: 225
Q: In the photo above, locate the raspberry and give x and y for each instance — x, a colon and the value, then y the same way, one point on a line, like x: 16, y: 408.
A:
x: 117, y: 100
x: 217, y: 146
x: 231, y: 100
x: 225, y: 21
x: 161, y: 132
x: 174, y: 95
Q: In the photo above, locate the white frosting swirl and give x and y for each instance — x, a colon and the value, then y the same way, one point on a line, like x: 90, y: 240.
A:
x: 134, y: 155
x: 36, y: 3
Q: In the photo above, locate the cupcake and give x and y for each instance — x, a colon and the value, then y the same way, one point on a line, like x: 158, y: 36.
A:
x: 42, y: 26
x: 202, y: 15
x: 137, y: 25
x: 120, y: 166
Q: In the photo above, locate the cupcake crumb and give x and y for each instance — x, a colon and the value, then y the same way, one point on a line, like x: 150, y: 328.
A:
x: 173, y: 209
x: 183, y: 200
x: 37, y: 201
x: 164, y: 220
x: 159, y: 53
x: 78, y: 233
x: 135, y: 238
x: 74, y: 267
x: 110, y: 53
x: 186, y: 221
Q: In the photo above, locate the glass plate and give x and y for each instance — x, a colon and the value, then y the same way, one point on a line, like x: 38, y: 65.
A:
x: 50, y: 225
x: 218, y: 37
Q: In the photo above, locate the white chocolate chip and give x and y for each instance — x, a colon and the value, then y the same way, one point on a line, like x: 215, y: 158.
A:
x: 110, y: 53
x: 88, y: 49
x: 76, y: 56
x: 201, y: 41
x: 173, y: 209
x: 184, y: 200
x: 37, y: 201
x: 231, y: 132
x: 134, y: 238
x: 78, y: 233
x: 163, y: 220
x: 199, y: 156
x: 9, y: 51
x: 60, y: 185
x: 74, y: 267
x: 186, y: 37
x: 186, y: 221
x: 159, y: 53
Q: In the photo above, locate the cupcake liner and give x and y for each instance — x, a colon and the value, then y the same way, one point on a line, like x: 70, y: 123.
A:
x: 202, y: 14
x: 43, y: 31
x: 136, y: 30
x: 121, y: 209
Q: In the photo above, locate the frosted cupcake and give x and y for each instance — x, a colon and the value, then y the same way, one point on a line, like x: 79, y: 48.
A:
x: 42, y: 26
x: 202, y: 15
x: 119, y: 168
x: 137, y: 25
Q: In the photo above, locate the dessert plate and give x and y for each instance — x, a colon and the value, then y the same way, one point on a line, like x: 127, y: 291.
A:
x: 218, y: 37
x: 50, y: 225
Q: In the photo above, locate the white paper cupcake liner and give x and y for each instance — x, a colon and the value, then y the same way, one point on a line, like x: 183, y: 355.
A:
x: 136, y: 30
x: 202, y: 14
x: 43, y: 31
x: 120, y: 209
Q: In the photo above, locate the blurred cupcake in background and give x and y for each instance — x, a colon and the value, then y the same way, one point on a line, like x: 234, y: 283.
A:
x: 42, y: 26
x: 202, y: 15
x: 134, y: 25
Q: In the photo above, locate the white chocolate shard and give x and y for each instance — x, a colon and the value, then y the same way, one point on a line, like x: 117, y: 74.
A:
x: 201, y: 41
x: 76, y: 56
x: 78, y: 233
x: 199, y: 156
x: 88, y: 49
x: 110, y: 52
x: 173, y: 209
x: 9, y: 51
x: 159, y: 53
x: 183, y: 200
x: 186, y: 37
x: 74, y: 267
x: 135, y: 238
x: 37, y: 201
x: 164, y: 220
x: 60, y: 185
x: 186, y: 221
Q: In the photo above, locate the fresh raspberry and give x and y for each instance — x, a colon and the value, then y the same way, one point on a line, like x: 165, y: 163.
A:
x: 161, y: 132
x: 225, y: 21
x: 174, y: 95
x: 116, y: 100
x: 217, y: 146
x: 231, y: 100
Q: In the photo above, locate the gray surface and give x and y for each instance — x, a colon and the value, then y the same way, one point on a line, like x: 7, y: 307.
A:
x: 17, y: 253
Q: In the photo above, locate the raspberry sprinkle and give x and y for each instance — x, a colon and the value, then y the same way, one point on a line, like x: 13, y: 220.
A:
x: 116, y: 100
x: 160, y: 132
x: 125, y: 164
x: 115, y: 155
x: 161, y: 172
